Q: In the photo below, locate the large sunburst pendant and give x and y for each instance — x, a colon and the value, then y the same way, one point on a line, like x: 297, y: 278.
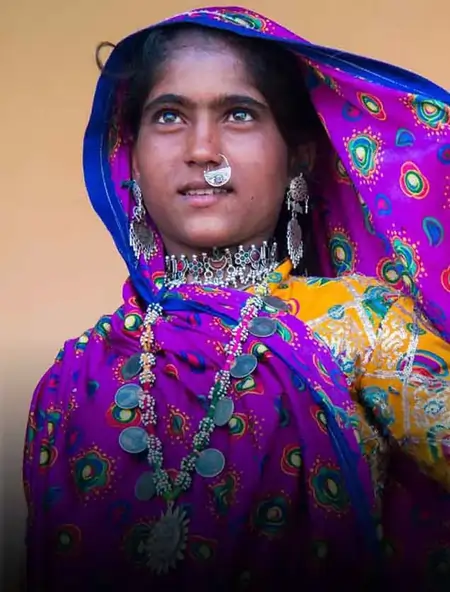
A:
x: 166, y: 543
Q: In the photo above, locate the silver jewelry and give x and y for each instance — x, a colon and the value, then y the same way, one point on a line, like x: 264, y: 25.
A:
x: 142, y: 239
x: 167, y: 538
x: 218, y: 176
x: 297, y: 202
x: 222, y: 267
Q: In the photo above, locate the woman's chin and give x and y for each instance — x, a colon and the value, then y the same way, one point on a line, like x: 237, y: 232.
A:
x: 205, y: 240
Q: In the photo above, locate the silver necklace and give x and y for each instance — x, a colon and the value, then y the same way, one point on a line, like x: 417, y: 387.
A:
x: 167, y: 539
x: 223, y: 267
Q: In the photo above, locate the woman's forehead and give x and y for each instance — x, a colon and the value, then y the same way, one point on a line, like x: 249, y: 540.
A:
x: 199, y: 42
x: 210, y: 71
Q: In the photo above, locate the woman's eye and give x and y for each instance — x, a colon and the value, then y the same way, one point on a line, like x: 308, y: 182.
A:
x: 241, y: 116
x: 168, y: 117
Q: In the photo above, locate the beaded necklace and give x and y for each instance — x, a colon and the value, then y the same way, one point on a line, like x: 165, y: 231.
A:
x: 167, y: 540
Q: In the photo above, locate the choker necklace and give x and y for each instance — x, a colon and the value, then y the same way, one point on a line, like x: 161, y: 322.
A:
x: 223, y: 267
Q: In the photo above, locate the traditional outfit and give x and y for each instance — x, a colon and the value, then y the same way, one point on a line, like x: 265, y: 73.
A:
x: 304, y: 435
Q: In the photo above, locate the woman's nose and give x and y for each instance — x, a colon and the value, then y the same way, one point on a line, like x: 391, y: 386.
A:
x: 203, y: 144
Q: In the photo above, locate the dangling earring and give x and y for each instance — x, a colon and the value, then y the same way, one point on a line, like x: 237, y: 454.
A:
x: 297, y: 202
x: 142, y: 240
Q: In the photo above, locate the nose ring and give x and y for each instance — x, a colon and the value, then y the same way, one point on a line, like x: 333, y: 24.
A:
x: 220, y: 175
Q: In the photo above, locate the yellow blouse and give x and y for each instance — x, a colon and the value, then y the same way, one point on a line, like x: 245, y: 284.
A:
x: 396, y: 364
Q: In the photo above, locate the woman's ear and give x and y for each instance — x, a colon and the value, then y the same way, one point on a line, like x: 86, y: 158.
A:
x: 303, y: 159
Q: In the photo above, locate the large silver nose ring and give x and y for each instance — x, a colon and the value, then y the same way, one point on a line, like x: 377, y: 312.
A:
x: 218, y: 176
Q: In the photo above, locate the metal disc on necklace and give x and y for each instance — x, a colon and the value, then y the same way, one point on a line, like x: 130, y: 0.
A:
x: 145, y: 487
x: 132, y: 367
x: 276, y: 303
x: 127, y: 396
x: 263, y: 327
x: 243, y: 366
x: 210, y: 463
x: 223, y: 411
x: 133, y: 440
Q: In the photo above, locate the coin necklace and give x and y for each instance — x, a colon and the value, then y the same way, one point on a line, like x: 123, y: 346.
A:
x: 166, y: 543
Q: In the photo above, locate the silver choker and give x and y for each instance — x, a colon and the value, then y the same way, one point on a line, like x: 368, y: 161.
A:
x: 222, y: 267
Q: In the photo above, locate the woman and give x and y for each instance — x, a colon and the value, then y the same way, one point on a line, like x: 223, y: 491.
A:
x: 235, y: 424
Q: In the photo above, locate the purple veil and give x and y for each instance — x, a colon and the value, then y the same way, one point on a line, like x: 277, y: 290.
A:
x: 384, y: 211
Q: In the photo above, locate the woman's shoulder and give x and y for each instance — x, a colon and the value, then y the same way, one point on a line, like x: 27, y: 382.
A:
x: 347, y: 283
x: 76, y: 360
x: 75, y: 350
x: 319, y: 296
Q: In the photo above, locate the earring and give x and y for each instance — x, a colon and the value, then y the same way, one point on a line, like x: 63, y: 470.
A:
x: 142, y: 239
x: 297, y: 202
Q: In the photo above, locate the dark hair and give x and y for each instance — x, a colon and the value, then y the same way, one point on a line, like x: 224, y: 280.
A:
x: 276, y: 73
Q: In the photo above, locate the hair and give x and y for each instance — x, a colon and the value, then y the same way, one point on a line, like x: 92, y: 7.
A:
x: 276, y: 73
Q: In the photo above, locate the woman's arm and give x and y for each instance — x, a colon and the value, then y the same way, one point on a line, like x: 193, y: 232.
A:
x: 43, y: 467
x: 405, y: 388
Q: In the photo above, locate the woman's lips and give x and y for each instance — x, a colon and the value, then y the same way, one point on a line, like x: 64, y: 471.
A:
x: 204, y: 197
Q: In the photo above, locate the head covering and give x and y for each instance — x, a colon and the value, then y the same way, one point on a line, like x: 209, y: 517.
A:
x: 384, y: 179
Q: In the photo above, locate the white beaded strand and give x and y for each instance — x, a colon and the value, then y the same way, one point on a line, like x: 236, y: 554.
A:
x: 218, y: 391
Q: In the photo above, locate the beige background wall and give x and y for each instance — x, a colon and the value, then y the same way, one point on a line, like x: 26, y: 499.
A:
x: 59, y: 270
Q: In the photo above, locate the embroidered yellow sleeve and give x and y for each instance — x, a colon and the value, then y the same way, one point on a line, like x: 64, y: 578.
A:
x: 406, y: 385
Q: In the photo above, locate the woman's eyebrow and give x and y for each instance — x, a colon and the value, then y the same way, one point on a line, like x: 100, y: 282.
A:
x: 226, y: 100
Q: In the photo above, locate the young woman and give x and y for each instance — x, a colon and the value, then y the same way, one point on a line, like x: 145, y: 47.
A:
x: 271, y: 399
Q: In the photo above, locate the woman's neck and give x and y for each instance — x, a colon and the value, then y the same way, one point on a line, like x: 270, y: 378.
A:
x: 187, y: 249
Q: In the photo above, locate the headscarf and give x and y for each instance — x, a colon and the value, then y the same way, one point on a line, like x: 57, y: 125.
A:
x: 384, y: 188
x: 384, y: 212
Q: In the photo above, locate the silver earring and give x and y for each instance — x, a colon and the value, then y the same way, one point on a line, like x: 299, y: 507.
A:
x: 297, y: 202
x: 142, y: 239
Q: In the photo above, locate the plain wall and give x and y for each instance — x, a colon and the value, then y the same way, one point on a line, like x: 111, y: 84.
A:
x: 60, y: 271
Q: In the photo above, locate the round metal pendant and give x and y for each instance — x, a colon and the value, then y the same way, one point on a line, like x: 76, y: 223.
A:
x: 243, y: 366
x: 167, y: 541
x: 210, y: 463
x: 132, y: 367
x: 263, y: 327
x: 133, y: 440
x: 145, y: 487
x: 223, y: 411
x: 127, y: 396
x: 276, y: 303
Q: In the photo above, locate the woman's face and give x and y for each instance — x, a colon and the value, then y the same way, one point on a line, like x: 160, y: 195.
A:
x: 205, y: 104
